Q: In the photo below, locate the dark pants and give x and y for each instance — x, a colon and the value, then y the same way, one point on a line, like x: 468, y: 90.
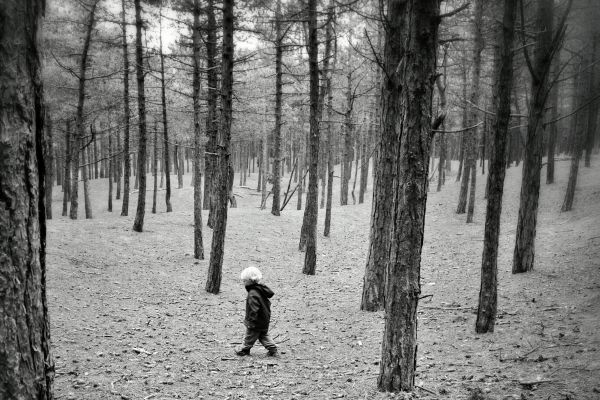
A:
x: 263, y: 337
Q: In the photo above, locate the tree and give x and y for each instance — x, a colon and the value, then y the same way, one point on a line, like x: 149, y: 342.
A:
x: 409, y: 89
x: 163, y: 97
x: 138, y: 224
x: 486, y: 312
x: 329, y: 92
x: 78, y: 143
x: 546, y: 46
x: 126, y: 116
x: 49, y: 159
x: 279, y: 34
x: 312, y: 205
x: 27, y: 367
x: 213, y: 282
x: 198, y: 245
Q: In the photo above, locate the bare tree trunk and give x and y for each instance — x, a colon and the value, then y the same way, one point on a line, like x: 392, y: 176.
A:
x: 420, y: 19
x: 196, y: 39
x: 110, y: 172
x: 213, y: 283
x: 212, y: 124
x: 163, y: 97
x: 442, y: 84
x: 126, y: 117
x: 49, y: 160
x: 554, y: 125
x: 278, y: 97
x: 312, y: 198
x: 138, y: 224
x: 488, y: 298
x: 545, y: 48
x: 79, y: 128
x: 264, y: 166
x: 27, y: 370
x: 329, y: 138
x: 85, y: 174
x: 119, y: 170
x: 67, y: 170
x: 463, y: 140
x: 155, y: 167
x: 348, y: 139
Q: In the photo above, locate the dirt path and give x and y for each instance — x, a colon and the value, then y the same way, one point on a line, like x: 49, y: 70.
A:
x: 131, y: 320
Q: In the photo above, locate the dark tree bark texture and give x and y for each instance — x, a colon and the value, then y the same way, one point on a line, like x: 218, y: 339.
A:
x: 198, y: 244
x: 26, y: 365
x: 412, y: 126
x: 278, y: 97
x: 488, y: 298
x: 126, y: 117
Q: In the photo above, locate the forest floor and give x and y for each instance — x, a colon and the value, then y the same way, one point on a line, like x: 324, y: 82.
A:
x: 131, y: 320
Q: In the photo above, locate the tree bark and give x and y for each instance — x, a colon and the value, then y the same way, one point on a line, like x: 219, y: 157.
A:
x: 312, y: 198
x: 126, y: 117
x: 79, y: 128
x: 111, y: 166
x: 523, y: 257
x: 196, y: 39
x: 488, y: 298
x: 49, y: 160
x: 163, y: 97
x: 27, y: 369
x: 212, y: 123
x: 138, y: 224
x: 213, y: 283
x: 412, y: 142
x: 278, y: 97
x: 329, y: 138
x: 553, y: 133
x: 67, y: 169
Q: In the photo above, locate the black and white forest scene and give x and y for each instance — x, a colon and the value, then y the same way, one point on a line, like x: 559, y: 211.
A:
x: 299, y: 199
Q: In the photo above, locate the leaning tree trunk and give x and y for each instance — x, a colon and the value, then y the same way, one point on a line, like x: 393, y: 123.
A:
x: 79, y: 128
x: 488, y: 298
x: 126, y: 117
x: 138, y: 224
x: 215, y: 266
x: 524, y: 252
x: 412, y: 127
x: 312, y: 198
x: 27, y: 367
x: 198, y: 243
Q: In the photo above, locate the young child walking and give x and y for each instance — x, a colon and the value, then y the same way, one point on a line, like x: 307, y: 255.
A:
x: 258, y: 313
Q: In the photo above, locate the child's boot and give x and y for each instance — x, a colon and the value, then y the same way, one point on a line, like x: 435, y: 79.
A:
x: 240, y: 351
x: 273, y: 353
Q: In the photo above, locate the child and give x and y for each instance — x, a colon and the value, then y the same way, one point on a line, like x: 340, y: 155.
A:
x: 258, y: 313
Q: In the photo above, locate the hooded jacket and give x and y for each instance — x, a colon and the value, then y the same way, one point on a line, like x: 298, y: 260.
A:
x: 258, y: 306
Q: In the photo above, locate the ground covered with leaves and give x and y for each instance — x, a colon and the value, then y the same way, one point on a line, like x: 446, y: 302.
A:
x: 131, y: 320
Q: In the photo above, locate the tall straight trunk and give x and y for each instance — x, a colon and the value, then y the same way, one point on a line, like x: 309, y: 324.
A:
x: 198, y: 243
x: 126, y: 116
x: 163, y: 97
x: 545, y: 47
x: 215, y: 266
x: 412, y: 137
x: 111, y: 166
x: 264, y: 166
x: 119, y: 170
x: 488, y: 298
x: 329, y: 138
x: 364, y: 159
x: 348, y: 151
x: 27, y: 369
x: 79, y: 128
x: 180, y: 164
x: 155, y: 167
x: 86, y: 179
x: 463, y: 140
x: 278, y: 97
x: 49, y: 160
x: 138, y: 224
x: 472, y: 134
x: 373, y: 291
x: 442, y: 84
x: 212, y: 123
x: 357, y: 157
x: 95, y: 158
x: 67, y: 168
x: 312, y: 198
x: 594, y: 105
x: 553, y: 133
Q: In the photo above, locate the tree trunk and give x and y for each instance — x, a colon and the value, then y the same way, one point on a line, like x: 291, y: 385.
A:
x: 110, y: 172
x: 348, y: 141
x: 163, y: 97
x: 412, y: 136
x: 79, y: 128
x: 119, y: 165
x: 196, y: 39
x: 553, y: 133
x: 27, y: 368
x: 488, y: 298
x: 442, y: 84
x: 138, y: 224
x: 86, y: 179
x: 212, y: 124
x: 49, y: 160
x: 329, y: 138
x: 278, y: 97
x: 180, y: 164
x: 67, y: 170
x: 155, y: 167
x: 126, y: 117
x: 463, y: 140
x: 594, y: 105
x: 312, y: 198
x: 264, y: 166
x: 213, y: 283
x: 524, y: 252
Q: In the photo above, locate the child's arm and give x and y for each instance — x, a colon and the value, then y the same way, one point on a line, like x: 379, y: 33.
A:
x: 253, y: 307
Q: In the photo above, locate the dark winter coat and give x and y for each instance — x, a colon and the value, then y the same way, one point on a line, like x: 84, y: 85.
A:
x: 258, y: 307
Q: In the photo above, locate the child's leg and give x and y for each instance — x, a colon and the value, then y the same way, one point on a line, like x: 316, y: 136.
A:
x: 266, y: 341
x: 250, y: 339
